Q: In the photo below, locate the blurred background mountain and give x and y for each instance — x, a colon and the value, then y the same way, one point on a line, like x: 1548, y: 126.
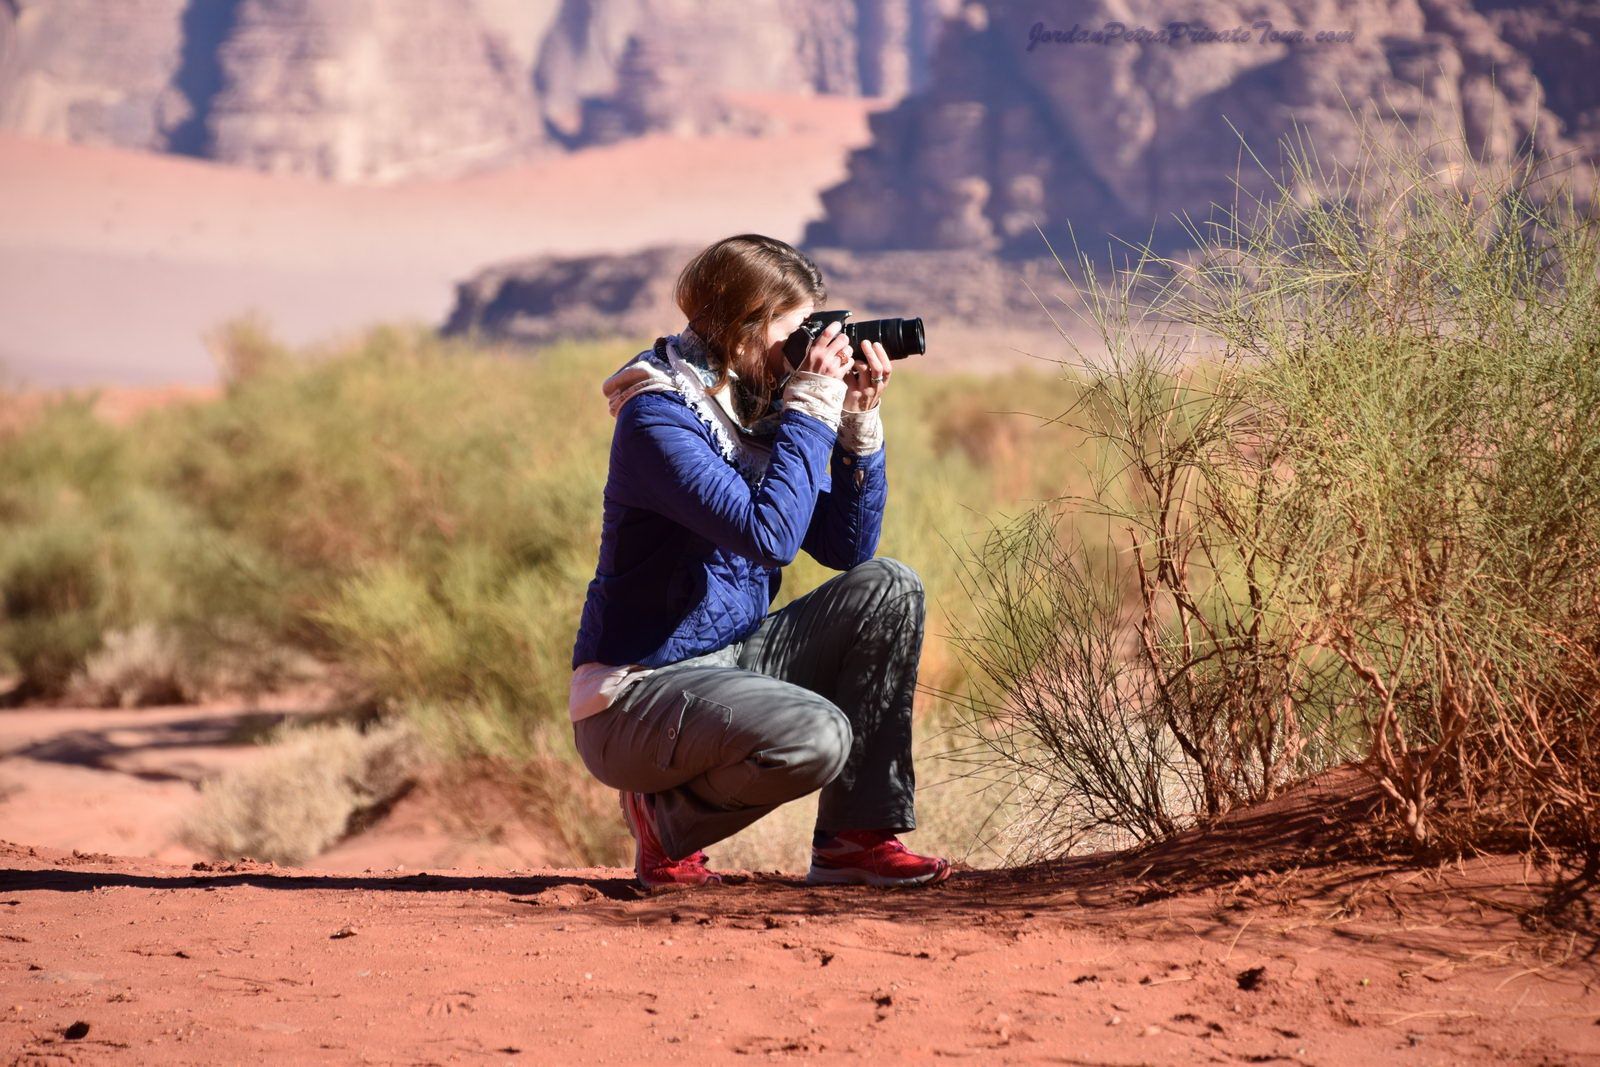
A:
x: 492, y: 162
x: 355, y: 90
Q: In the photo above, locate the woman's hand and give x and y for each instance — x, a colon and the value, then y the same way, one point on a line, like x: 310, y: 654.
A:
x: 867, y: 381
x: 829, y: 353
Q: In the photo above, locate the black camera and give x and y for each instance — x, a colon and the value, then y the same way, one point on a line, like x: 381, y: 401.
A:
x: 899, y: 337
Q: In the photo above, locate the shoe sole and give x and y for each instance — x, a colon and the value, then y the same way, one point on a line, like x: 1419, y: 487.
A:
x: 828, y: 876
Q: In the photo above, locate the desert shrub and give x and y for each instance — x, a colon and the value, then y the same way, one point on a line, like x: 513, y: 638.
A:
x: 304, y: 795
x: 1368, y: 524
x: 480, y: 629
x: 1426, y: 352
x: 393, y: 446
x: 92, y: 548
x: 52, y: 595
x: 244, y: 348
x: 1132, y: 674
x: 135, y: 667
x: 432, y: 506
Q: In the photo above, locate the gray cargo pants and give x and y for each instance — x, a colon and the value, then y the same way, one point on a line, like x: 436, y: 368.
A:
x: 819, y: 697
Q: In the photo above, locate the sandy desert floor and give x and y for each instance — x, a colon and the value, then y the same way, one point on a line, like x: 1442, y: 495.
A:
x: 1179, y: 959
x: 114, y: 264
x: 122, y: 781
x: 1253, y: 943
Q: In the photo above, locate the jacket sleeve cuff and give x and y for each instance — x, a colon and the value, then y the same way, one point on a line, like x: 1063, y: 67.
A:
x: 861, y: 432
x: 817, y: 395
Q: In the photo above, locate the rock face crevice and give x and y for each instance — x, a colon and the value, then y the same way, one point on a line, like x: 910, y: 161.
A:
x: 206, y: 24
x: 1087, y: 141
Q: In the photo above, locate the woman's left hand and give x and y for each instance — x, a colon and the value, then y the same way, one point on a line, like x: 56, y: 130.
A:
x: 868, y: 378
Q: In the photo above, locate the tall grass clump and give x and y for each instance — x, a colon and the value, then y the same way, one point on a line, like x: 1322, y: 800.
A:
x: 1352, y: 513
x: 305, y: 794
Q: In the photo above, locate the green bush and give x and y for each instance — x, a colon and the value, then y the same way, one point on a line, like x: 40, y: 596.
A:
x: 93, y: 545
x: 1366, y: 526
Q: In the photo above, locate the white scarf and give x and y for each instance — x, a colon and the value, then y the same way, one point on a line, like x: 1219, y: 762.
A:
x: 681, y: 363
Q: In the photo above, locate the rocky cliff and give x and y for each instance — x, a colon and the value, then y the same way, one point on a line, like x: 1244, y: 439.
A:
x: 1560, y: 40
x: 367, y: 89
x: 92, y: 72
x: 378, y: 89
x: 609, y: 68
x: 1029, y: 122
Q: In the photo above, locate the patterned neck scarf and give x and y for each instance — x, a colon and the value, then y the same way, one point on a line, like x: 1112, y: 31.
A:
x: 694, y: 351
x: 682, y: 363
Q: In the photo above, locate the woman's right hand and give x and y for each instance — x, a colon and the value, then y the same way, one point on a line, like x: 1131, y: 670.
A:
x: 830, y: 352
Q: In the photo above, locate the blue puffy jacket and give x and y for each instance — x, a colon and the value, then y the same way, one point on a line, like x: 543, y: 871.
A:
x: 690, y: 555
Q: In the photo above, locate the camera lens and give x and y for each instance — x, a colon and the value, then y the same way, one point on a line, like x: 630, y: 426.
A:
x: 899, y: 337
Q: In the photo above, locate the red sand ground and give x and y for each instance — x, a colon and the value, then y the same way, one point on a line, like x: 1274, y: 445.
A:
x: 1244, y: 945
x: 121, y: 781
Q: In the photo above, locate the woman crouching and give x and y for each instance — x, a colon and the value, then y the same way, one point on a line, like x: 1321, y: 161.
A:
x: 703, y: 708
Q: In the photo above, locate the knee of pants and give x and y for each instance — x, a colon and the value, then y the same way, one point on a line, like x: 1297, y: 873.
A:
x: 833, y: 746
x: 898, y: 582
x: 811, y: 759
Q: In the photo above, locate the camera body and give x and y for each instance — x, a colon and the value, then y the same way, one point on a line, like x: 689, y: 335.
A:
x: 899, y: 337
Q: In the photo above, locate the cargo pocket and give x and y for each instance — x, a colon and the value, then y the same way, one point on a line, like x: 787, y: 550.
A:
x: 694, y: 733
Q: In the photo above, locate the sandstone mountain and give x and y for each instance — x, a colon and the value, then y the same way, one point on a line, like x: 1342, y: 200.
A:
x: 367, y: 89
x: 382, y: 89
x: 610, y: 68
x: 93, y: 72
x: 938, y: 214
x: 1123, y: 137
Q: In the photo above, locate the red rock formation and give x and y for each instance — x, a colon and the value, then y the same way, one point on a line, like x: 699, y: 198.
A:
x: 611, y: 67
x: 378, y: 89
x: 1130, y: 138
x: 368, y: 89
x: 542, y: 299
x: 92, y: 72
x: 1561, y: 39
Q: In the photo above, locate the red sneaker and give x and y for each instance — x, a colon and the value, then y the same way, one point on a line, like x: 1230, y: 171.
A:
x: 871, y: 857
x: 650, y: 862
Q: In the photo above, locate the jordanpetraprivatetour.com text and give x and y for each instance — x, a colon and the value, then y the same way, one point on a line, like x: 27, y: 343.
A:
x: 1262, y: 31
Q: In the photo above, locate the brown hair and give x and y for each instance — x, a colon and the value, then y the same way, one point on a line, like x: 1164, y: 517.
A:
x: 732, y: 290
